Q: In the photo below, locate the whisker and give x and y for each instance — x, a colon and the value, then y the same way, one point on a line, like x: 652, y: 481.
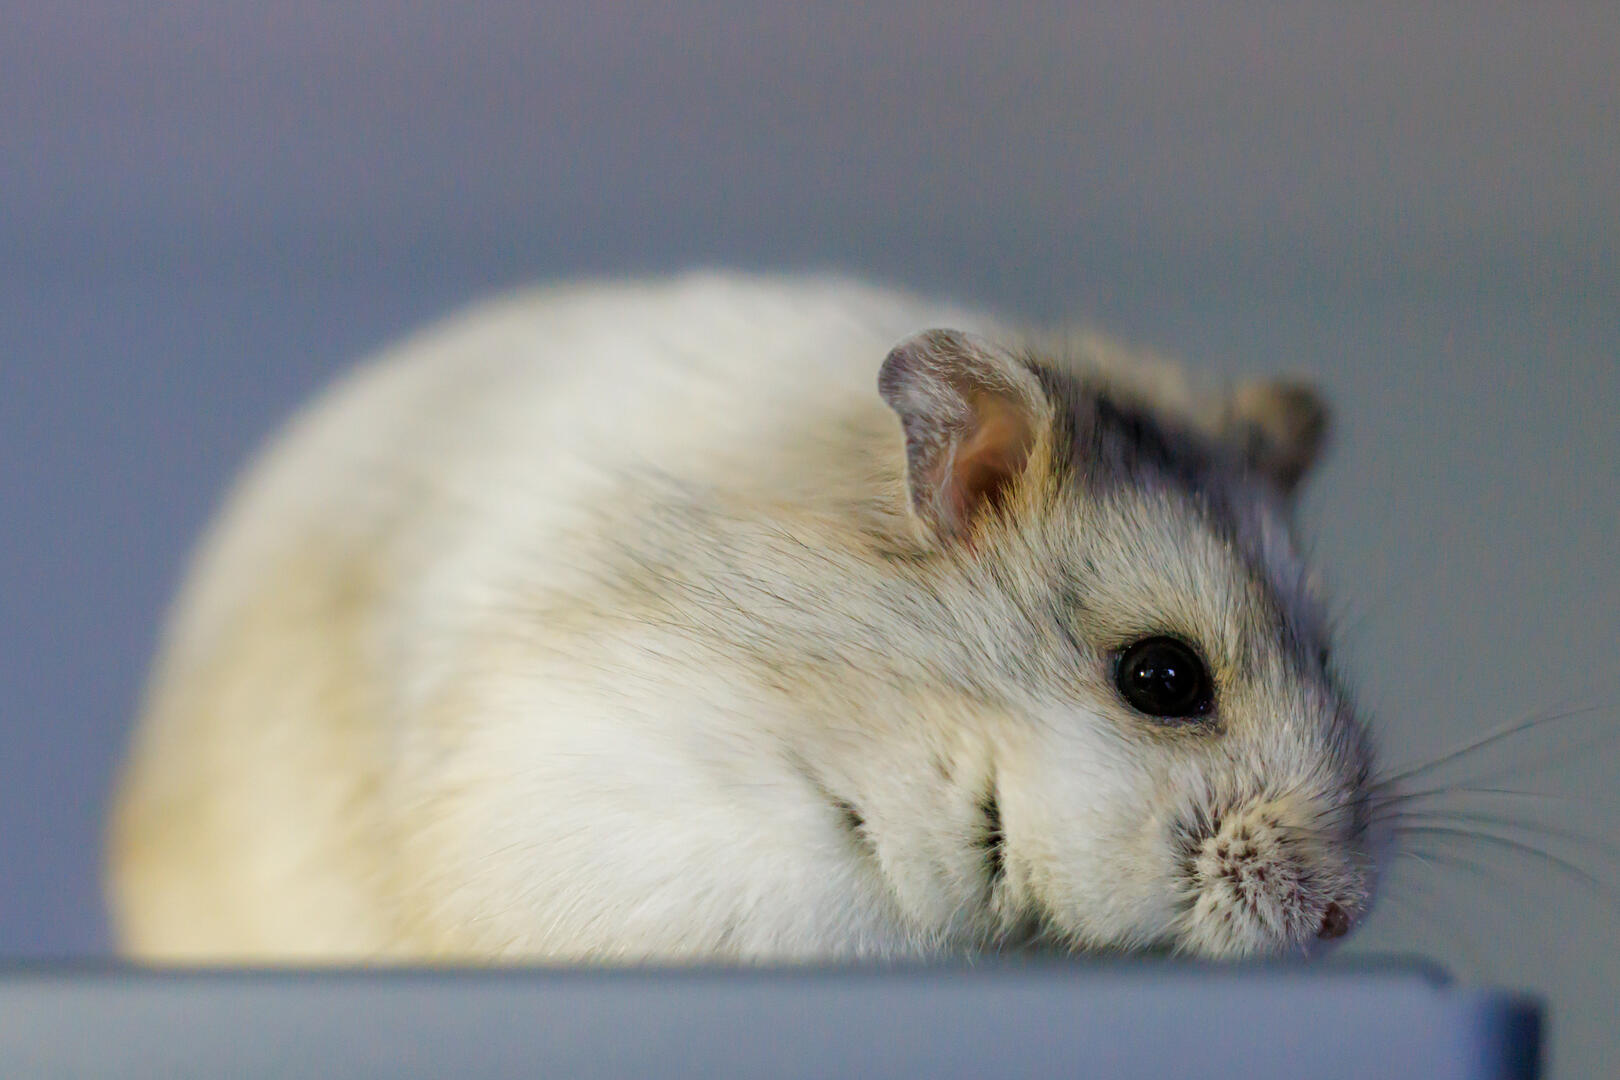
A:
x: 1455, y: 860
x: 1603, y: 889
x: 1400, y: 797
x: 1551, y: 831
x: 1509, y: 731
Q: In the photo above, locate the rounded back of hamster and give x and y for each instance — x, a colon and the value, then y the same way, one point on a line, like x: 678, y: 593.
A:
x: 655, y: 621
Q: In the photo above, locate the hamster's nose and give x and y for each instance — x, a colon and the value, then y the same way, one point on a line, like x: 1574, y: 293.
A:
x: 1335, y: 923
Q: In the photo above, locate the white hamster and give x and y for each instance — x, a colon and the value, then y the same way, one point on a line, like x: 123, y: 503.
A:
x: 735, y: 618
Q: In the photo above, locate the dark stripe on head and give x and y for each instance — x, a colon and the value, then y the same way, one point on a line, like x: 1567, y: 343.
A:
x: 1103, y: 441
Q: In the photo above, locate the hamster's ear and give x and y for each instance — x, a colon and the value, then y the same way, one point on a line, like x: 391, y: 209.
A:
x: 970, y: 412
x: 1279, y: 427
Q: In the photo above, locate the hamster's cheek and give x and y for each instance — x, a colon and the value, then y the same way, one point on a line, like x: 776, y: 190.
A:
x: 1088, y: 844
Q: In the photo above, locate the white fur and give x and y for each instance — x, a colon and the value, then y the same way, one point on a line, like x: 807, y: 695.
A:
x: 551, y: 634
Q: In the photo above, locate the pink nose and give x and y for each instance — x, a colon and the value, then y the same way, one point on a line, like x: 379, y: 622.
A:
x: 1335, y: 923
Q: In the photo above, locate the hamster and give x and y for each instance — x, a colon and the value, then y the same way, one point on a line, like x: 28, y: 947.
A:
x: 730, y: 618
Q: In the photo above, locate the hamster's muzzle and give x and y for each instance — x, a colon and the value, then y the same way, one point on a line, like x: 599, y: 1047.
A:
x: 1260, y: 882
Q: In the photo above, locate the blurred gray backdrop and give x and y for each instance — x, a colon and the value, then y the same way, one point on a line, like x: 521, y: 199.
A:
x: 206, y: 209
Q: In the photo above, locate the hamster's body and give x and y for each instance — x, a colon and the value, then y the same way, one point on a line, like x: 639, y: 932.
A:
x: 596, y: 624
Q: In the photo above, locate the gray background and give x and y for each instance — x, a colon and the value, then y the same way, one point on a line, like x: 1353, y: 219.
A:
x: 206, y: 209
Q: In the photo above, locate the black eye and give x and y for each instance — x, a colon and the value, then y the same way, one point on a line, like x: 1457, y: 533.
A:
x: 1164, y: 677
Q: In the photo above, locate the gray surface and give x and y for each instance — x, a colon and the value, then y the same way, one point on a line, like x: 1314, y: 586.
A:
x: 1132, y: 1023
x: 206, y: 209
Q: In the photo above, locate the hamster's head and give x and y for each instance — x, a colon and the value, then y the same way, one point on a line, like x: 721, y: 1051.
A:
x: 1168, y: 761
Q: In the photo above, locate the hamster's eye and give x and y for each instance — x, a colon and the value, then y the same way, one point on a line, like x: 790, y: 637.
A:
x: 1164, y: 677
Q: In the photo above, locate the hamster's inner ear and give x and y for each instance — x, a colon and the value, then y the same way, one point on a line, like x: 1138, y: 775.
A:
x: 1279, y: 427
x: 970, y: 412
